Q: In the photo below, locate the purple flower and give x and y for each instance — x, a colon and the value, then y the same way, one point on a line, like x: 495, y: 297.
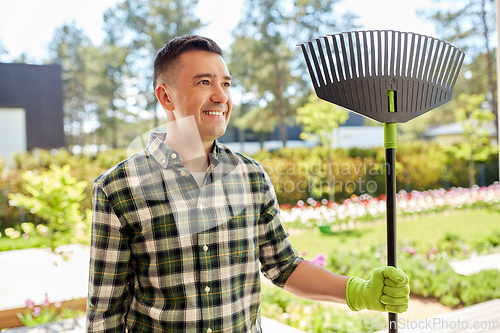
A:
x: 30, y: 304
x: 413, y: 251
x: 36, y: 311
x: 319, y: 260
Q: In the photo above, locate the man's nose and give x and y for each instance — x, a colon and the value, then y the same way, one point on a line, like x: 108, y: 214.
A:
x: 219, y: 95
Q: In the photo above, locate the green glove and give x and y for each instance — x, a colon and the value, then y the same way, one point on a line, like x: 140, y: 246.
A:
x: 387, y: 290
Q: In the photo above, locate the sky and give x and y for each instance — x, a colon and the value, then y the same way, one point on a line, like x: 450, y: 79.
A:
x: 27, y: 26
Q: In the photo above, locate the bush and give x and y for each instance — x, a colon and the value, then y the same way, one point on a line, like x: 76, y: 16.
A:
x: 428, y: 269
x: 312, y: 316
x: 55, y: 196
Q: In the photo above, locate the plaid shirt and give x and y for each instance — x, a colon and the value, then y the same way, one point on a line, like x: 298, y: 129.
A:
x: 167, y: 256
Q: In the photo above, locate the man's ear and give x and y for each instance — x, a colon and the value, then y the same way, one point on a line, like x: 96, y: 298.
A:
x: 164, y: 96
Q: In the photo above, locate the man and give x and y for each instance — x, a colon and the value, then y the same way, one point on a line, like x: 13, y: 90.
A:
x: 180, y: 228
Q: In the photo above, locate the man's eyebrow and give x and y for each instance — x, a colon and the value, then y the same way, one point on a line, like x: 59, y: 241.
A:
x: 225, y: 77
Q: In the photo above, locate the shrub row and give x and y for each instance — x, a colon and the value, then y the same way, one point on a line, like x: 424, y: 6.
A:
x: 297, y: 174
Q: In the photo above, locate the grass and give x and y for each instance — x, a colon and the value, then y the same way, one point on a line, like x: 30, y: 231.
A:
x: 468, y: 225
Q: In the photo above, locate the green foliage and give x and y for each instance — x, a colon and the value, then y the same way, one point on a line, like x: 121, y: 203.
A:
x: 319, y: 119
x: 312, y: 316
x: 45, y: 313
x: 428, y: 269
x: 55, y: 196
x: 472, y: 119
x: 265, y: 60
x: 300, y: 173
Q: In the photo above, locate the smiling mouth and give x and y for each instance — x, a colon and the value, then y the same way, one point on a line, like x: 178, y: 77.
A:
x: 214, y: 113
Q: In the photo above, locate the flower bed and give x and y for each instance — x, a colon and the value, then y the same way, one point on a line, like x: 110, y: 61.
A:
x: 364, y: 208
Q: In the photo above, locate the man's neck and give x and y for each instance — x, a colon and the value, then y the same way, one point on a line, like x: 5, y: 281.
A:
x: 194, y: 156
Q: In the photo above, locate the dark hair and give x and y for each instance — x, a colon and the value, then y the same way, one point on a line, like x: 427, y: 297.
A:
x: 170, y: 52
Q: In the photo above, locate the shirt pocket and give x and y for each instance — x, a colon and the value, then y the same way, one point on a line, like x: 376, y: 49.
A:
x: 240, y: 235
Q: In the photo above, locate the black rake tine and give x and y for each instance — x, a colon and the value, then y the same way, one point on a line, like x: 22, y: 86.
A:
x: 342, y: 75
x: 429, y: 59
x: 412, y: 51
x: 367, y: 61
x: 462, y: 57
x: 353, y: 56
x: 432, y: 73
x: 372, y: 64
x: 344, y: 57
x: 438, y: 68
x: 335, y: 76
x: 392, y: 70
x: 309, y: 67
x: 449, y: 67
x: 424, y: 59
x: 398, y: 58
x: 386, y: 53
x: 323, y: 61
x: 405, y: 56
x: 445, y: 67
x: 316, y: 65
x: 417, y: 59
x: 359, y: 57
x: 379, y: 51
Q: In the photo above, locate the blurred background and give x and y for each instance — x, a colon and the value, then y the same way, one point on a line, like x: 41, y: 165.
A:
x: 76, y: 91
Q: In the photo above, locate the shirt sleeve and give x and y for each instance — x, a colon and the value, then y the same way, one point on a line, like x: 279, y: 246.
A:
x: 108, y: 293
x: 277, y: 256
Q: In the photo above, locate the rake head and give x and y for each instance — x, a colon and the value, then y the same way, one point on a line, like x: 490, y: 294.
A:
x: 356, y: 69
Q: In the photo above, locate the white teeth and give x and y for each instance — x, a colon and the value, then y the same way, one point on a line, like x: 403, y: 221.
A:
x: 214, y: 113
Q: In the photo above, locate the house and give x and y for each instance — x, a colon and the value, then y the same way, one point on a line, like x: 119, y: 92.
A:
x: 31, y: 108
x: 453, y: 133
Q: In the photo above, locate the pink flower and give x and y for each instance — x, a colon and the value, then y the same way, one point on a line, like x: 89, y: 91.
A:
x: 319, y: 260
x: 30, y: 304
x: 57, y: 304
x: 46, y: 301
x: 36, y: 311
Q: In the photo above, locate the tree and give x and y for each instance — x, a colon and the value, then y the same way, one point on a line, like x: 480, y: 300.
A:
x: 470, y: 24
x: 3, y: 50
x: 319, y: 119
x: 147, y: 25
x: 265, y: 58
x: 472, y: 118
x: 73, y: 50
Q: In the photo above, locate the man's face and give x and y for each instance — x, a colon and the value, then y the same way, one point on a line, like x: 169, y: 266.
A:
x: 200, y: 89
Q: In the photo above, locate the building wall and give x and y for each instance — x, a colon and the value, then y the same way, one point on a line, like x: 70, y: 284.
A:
x: 38, y: 90
x: 12, y: 131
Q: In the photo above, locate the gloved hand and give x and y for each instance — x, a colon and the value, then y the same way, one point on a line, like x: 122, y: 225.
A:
x: 387, y: 290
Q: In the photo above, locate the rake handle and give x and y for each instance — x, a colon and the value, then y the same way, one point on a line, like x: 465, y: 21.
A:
x: 390, y: 158
x: 390, y: 145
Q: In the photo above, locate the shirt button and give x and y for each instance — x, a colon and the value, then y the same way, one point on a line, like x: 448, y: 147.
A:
x: 174, y: 155
x: 162, y: 161
x: 207, y: 289
x: 183, y: 173
x: 201, y: 207
x: 205, y: 248
x: 209, y: 330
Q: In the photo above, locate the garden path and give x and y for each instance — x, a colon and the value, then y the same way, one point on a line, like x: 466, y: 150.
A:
x: 31, y: 273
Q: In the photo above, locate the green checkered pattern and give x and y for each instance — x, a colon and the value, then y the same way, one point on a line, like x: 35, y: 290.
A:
x: 168, y: 256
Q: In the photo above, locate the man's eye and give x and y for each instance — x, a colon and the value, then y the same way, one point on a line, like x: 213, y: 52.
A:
x: 227, y: 84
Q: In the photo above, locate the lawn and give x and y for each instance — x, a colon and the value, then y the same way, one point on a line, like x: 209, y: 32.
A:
x: 468, y: 225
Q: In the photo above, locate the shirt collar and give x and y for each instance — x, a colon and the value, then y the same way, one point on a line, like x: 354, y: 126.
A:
x: 165, y: 155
